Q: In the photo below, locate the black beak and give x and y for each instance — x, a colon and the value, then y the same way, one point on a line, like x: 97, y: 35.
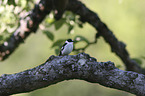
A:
x: 73, y: 41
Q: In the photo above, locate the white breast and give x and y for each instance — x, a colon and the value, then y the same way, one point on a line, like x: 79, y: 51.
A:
x: 68, y: 48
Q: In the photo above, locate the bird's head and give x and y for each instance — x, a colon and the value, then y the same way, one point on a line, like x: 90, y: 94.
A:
x: 69, y: 41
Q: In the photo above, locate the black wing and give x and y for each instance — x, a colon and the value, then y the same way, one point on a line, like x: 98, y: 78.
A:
x: 62, y: 49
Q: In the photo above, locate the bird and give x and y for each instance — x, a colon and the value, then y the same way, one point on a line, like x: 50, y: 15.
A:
x: 67, y: 47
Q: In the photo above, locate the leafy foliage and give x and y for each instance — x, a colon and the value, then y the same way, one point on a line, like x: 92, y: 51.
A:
x: 81, y: 38
x: 10, y: 12
x: 49, y: 34
x: 58, y: 24
x: 134, y: 26
x: 58, y: 43
x: 70, y: 20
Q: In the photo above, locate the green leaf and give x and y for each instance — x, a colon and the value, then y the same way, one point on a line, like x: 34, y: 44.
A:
x: 49, y: 35
x: 80, y: 25
x: 50, y: 20
x: 22, y: 3
x: 70, y: 28
x: 58, y: 24
x: 57, y: 51
x: 58, y: 43
x: 11, y: 2
x: 70, y: 16
x: 81, y: 38
x: 139, y: 61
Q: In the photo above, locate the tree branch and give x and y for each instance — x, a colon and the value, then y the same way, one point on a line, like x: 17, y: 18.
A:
x: 28, y: 24
x: 44, y: 7
x: 117, y: 46
x: 81, y: 66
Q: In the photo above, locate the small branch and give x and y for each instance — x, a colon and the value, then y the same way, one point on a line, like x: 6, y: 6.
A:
x: 117, y: 46
x: 44, y: 7
x: 85, y: 47
x: 81, y: 66
x: 28, y: 24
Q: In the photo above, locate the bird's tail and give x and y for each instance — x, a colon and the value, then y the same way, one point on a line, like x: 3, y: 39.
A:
x: 60, y: 53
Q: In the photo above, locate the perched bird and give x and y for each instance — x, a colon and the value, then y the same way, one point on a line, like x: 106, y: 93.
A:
x: 67, y: 47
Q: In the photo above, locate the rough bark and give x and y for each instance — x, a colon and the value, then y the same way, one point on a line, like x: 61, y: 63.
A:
x: 45, y: 6
x: 28, y: 25
x: 81, y: 66
x: 118, y: 47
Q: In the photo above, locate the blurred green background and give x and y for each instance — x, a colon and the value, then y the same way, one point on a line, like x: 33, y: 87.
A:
x: 126, y: 18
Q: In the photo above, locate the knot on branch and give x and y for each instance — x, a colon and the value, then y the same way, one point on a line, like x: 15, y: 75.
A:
x: 107, y: 65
